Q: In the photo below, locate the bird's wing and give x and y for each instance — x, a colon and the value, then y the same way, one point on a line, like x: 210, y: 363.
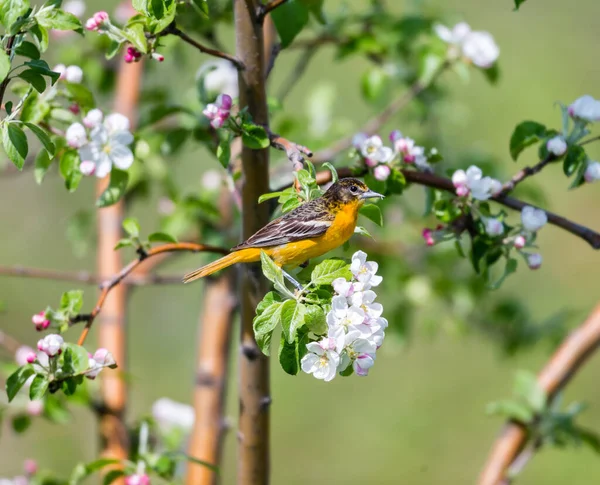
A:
x: 307, y: 221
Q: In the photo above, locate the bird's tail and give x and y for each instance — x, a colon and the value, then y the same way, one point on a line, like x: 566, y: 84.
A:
x: 215, y: 266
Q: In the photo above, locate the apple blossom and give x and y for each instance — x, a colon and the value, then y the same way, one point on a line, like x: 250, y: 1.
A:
x: 60, y: 69
x: 30, y: 467
x: 520, y: 241
x: 592, y: 172
x: 137, y: 479
x: 97, y: 21
x: 104, y: 358
x: 374, y: 152
x: 74, y: 74
x: 481, y: 49
x: 212, y: 180
x: 171, y: 414
x: 363, y: 270
x: 382, y: 172
x: 93, y: 118
x: 158, y: 57
x: 533, y: 219
x: 557, y: 146
x: 24, y: 354
x: 40, y: 321
x: 493, y: 227
x: 321, y: 360
x: 534, y: 260
x: 35, y: 407
x: 454, y: 36
x: 220, y: 76
x: 359, y: 139
x: 76, y: 135
x: 218, y: 112
x: 75, y: 7
x: 585, y: 108
x: 51, y: 345
x: 94, y: 368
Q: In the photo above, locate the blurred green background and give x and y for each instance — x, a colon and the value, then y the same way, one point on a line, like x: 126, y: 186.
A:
x: 420, y: 416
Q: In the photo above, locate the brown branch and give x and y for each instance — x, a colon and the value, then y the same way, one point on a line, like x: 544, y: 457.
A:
x: 254, y: 386
x: 264, y: 10
x: 293, y: 150
x: 214, y: 342
x: 86, y: 277
x: 561, y: 367
x: 119, y: 277
x: 443, y: 183
x: 374, y: 124
x: 174, y: 30
x: 4, y: 84
x: 524, y: 173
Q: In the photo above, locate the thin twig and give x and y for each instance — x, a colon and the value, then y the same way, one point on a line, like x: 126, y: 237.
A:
x: 108, y: 285
x: 561, y: 367
x: 374, y: 124
x: 4, y: 84
x: 590, y: 140
x: 174, y: 30
x: 264, y: 10
x: 443, y: 183
x: 524, y: 173
x: 294, y: 151
x: 86, y: 277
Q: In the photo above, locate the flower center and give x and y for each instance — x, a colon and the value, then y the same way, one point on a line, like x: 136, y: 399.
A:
x: 323, y: 361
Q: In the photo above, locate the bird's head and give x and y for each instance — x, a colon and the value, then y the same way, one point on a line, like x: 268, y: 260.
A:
x: 348, y: 190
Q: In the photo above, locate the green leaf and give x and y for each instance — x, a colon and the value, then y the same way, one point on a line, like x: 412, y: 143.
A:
x: 69, y: 169
x: 42, y: 163
x: 162, y: 237
x: 224, y: 152
x: 492, y: 73
x: 255, y: 137
x: 334, y: 174
x: 288, y: 356
x: 274, y: 274
x: 270, y: 195
x: 38, y: 387
x: 290, y: 204
x: 289, y: 19
x: 265, y: 323
x: 84, y: 470
x: 574, y: 158
x: 430, y: 65
x: 34, y: 109
x: 374, y: 83
x: 518, y: 3
x: 43, y: 137
x: 293, y: 314
x: 528, y: 388
x: 11, y: 10
x: 316, y: 8
x: 34, y: 78
x: 40, y: 66
x: 75, y: 359
x: 135, y: 34
x: 124, y: 243
x: 315, y: 319
x: 115, y: 190
x: 28, y: 49
x: 14, y: 141
x: 373, y: 213
x: 4, y: 65
x: 131, y: 226
x: 201, y: 6
x: 57, y: 19
x: 17, y: 379
x: 510, y: 268
x: 362, y: 231
x: 525, y: 134
x: 511, y: 409
x: 112, y: 476
x: 81, y: 95
x: 21, y: 422
x: 328, y: 270
x: 40, y: 35
x: 141, y: 6
x: 396, y: 182
x: 71, y: 301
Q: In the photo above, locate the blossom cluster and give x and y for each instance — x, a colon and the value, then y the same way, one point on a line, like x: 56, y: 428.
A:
x: 475, y: 46
x: 584, y: 110
x: 472, y: 182
x: 218, y: 112
x: 380, y: 157
x: 30, y: 467
x: 101, y: 142
x: 355, y: 325
x: 72, y: 74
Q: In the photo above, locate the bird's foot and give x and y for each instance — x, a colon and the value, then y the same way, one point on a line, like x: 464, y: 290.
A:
x: 289, y: 277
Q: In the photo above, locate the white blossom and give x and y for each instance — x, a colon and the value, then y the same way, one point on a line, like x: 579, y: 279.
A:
x: 60, y: 69
x: 345, y: 316
x: 343, y: 287
x: 109, y: 146
x: 533, y: 219
x: 360, y: 352
x: 220, y: 76
x: 104, y: 357
x: 484, y: 188
x: 212, y: 180
x: 534, y: 260
x: 365, y: 271
x: 585, y: 108
x: 322, y: 359
x: 557, y: 146
x: 74, y: 74
x: 358, y: 139
x: 481, y: 49
x: 365, y: 300
x: 454, y: 36
x: 592, y: 172
x: 493, y: 226
x: 172, y: 414
x: 93, y: 118
x: 373, y: 150
x: 75, y: 7
x: 51, y: 344
x: 76, y: 135
x: 382, y: 172
x: 94, y: 368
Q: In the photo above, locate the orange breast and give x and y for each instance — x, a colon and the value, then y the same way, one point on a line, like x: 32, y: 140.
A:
x: 296, y: 253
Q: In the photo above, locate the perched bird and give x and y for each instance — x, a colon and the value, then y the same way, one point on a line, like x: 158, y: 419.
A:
x: 309, y: 231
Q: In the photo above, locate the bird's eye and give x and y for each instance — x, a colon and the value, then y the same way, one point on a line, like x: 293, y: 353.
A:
x: 353, y: 188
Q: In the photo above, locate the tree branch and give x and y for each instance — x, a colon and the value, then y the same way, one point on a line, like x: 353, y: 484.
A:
x: 562, y: 366
x: 374, y: 124
x: 174, y: 30
x: 293, y: 150
x: 264, y: 10
x: 443, y: 183
x: 524, y: 173
x: 254, y: 386
x: 214, y: 342
x: 4, y: 84
x: 118, y: 278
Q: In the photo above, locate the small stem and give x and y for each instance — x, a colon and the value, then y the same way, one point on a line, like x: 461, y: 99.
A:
x: 172, y: 29
x: 523, y: 174
x: 264, y: 10
x: 4, y: 84
x: 589, y: 140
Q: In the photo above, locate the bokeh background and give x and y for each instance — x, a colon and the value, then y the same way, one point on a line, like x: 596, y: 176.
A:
x: 419, y: 418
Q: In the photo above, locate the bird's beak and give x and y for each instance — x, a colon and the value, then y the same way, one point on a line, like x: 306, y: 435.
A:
x: 369, y: 194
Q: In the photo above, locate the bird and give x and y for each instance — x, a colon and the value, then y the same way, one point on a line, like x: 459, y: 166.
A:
x: 309, y: 231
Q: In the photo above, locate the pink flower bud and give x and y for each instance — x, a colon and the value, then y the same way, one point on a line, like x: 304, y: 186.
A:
x: 224, y: 102
x: 30, y: 467
x: 31, y: 357
x: 100, y: 17
x: 22, y: 354
x: 382, y: 172
x: 217, y: 122
x: 35, y: 408
x: 128, y: 58
x: 87, y: 167
x: 409, y: 158
x: 61, y: 69
x: 40, y: 321
x: 534, y: 260
x: 369, y: 162
x: 137, y: 479
x: 91, y: 24
x: 74, y: 108
x: 428, y: 236
x: 519, y: 242
x: 104, y: 357
x: 158, y: 57
x: 395, y: 136
x: 462, y: 191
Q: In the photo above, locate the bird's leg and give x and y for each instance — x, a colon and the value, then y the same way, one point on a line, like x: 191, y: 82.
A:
x: 305, y: 264
x: 289, y: 277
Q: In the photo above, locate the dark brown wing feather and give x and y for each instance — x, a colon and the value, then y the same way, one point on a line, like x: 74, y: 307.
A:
x: 311, y: 219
